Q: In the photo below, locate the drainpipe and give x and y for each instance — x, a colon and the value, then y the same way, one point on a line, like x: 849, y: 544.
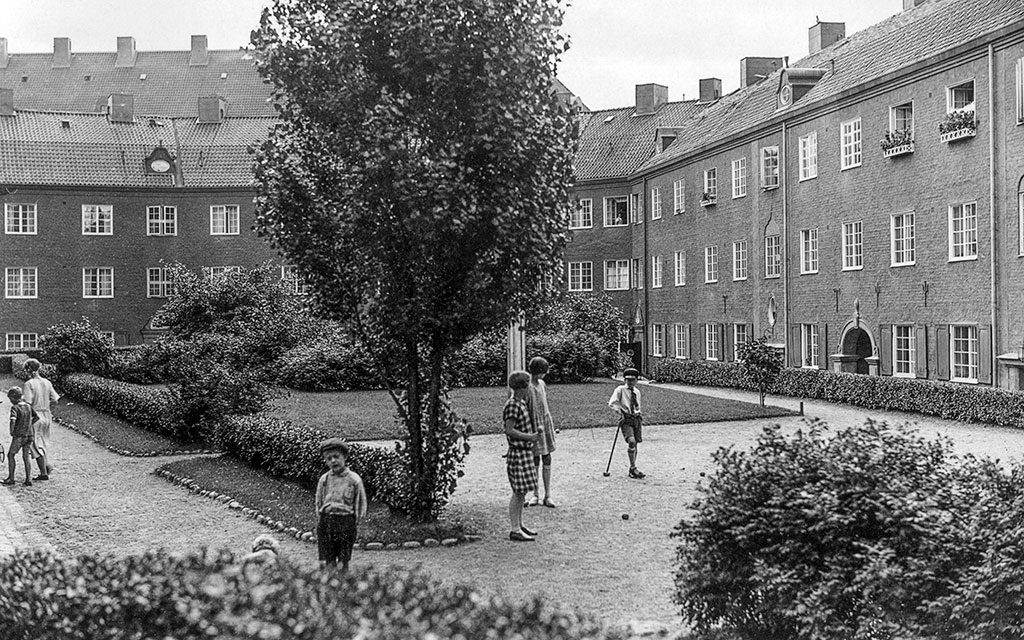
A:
x: 994, y: 362
x: 785, y: 240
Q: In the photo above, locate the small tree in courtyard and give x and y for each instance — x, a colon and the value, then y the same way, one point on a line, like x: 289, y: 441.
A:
x: 762, y: 363
x: 419, y: 178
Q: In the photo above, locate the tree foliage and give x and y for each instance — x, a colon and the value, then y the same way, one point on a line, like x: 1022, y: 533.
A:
x: 418, y: 177
x: 762, y: 363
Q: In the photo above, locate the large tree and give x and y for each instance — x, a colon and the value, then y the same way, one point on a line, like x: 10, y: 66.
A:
x: 419, y: 177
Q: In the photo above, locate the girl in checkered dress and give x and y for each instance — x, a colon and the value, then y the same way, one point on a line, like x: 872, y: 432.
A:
x: 522, y: 436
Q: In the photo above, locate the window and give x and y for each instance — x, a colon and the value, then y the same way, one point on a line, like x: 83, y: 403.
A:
x: 656, y: 203
x: 809, y: 156
x: 158, y: 283
x: 98, y: 282
x: 739, y: 260
x: 853, y: 246
x: 809, y: 345
x: 680, y: 268
x: 964, y: 353
x: 710, y: 264
x: 679, y: 196
x: 711, y: 184
x: 295, y: 284
x: 224, y: 220
x: 808, y: 251
x: 97, y: 220
x: 21, y: 283
x: 634, y: 209
x: 161, y: 221
x: 772, y: 256
x: 739, y: 337
x: 682, y: 345
x: 636, y: 274
x: 215, y: 274
x: 19, y: 341
x: 901, y: 118
x: 108, y: 337
x: 711, y: 342
x: 655, y: 272
x: 960, y: 97
x: 1020, y: 91
x: 616, y: 275
x: 615, y: 212
x: 963, y: 232
x: 581, y: 276
x: 769, y: 167
x: 657, y: 339
x: 739, y: 178
x: 850, y: 143
x: 903, y: 239
x: 903, y: 351
x: 1020, y: 219
x: 582, y: 217
x: 20, y: 219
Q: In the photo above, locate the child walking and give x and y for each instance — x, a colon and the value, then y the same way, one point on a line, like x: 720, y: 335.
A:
x: 545, y: 424
x: 626, y: 400
x: 39, y: 393
x: 522, y: 472
x: 340, y: 504
x: 22, y: 436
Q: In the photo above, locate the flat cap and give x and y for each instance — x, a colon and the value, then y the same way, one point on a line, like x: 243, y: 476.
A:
x: 630, y: 373
x: 334, y: 444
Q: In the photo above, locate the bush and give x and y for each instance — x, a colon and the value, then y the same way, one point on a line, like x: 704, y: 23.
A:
x: 327, y: 364
x: 18, y: 361
x: 77, y: 347
x: 207, y: 595
x: 966, y: 403
x: 871, y: 532
x: 153, y: 408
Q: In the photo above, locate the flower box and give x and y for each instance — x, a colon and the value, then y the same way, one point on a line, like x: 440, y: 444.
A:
x: 958, y: 134
x: 898, y: 150
x: 958, y: 125
x: 708, y: 199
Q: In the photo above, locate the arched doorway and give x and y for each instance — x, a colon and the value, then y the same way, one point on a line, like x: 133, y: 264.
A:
x: 857, y: 342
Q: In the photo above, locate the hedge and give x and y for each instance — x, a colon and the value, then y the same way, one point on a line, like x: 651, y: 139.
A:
x: 966, y: 403
x: 211, y: 595
x: 153, y: 408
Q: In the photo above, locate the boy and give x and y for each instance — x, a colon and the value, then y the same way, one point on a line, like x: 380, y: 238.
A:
x: 340, y: 503
x: 626, y: 400
x: 22, y: 436
x: 39, y: 393
x: 522, y: 473
x: 545, y: 424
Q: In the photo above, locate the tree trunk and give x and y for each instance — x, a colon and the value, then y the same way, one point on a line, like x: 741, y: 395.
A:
x: 414, y: 421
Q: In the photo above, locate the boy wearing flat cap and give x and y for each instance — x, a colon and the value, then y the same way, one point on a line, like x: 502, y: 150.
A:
x: 626, y: 400
x: 340, y: 503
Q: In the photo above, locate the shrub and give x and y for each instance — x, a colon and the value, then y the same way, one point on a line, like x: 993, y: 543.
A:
x: 871, y: 532
x: 77, y: 347
x: 18, y: 361
x: 153, y: 408
x: 761, y: 363
x: 327, y: 364
x: 210, y: 594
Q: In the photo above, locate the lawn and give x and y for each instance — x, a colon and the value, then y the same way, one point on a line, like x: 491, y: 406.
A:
x: 370, y: 415
x: 118, y: 434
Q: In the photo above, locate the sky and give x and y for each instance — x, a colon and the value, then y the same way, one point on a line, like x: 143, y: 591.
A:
x: 615, y: 44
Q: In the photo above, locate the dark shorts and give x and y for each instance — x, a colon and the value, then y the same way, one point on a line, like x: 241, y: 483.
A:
x: 335, y: 537
x: 632, y: 427
x: 27, y: 443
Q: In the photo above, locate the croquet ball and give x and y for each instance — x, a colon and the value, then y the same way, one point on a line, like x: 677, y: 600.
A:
x: 625, y: 516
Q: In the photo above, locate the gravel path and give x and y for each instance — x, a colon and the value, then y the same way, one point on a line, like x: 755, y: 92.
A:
x: 586, y: 554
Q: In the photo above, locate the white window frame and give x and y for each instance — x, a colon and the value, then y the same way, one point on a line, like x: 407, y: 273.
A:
x: 680, y: 268
x: 711, y: 264
x: 904, y: 351
x: 809, y: 251
x: 770, y: 167
x: 853, y: 245
x: 166, y: 217
x: 218, y: 272
x: 809, y: 156
x: 619, y: 269
x: 582, y: 216
x: 951, y: 90
x: 773, y: 256
x: 965, y: 238
x: 850, y: 144
x: 679, y: 341
x: 16, y: 341
x: 98, y: 277
x: 712, y: 350
x: 159, y: 283
x: 109, y: 336
x: 899, y: 247
x: 971, y: 365
x: 290, y: 277
x: 21, y: 283
x: 635, y: 211
x: 225, y: 220
x: 739, y: 177
x: 737, y: 339
x: 656, y: 264
x: 679, y: 196
x: 610, y: 203
x: 1020, y: 223
x: 739, y: 260
x: 655, y: 203
x: 809, y: 341
x: 658, y: 339
x: 98, y: 216
x: 892, y: 118
x: 711, y: 182
x: 636, y: 274
x: 583, y: 268
x: 1020, y: 90
x: 21, y: 219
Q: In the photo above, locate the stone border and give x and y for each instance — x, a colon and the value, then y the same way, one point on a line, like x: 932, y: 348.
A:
x: 124, y: 452
x: 304, y: 536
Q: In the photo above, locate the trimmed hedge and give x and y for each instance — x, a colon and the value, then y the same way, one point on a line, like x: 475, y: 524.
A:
x: 18, y: 361
x: 966, y: 403
x: 211, y: 595
x: 155, y: 409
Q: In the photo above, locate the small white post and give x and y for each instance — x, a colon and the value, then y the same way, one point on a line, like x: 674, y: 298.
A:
x: 516, y: 345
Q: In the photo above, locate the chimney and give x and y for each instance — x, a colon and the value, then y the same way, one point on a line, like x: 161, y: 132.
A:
x: 910, y: 4
x: 649, y: 98
x: 6, y: 102
x: 199, y: 56
x: 825, y: 34
x: 754, y: 70
x: 61, y: 53
x: 125, y: 52
x: 3, y: 53
x: 710, y: 89
x: 212, y: 110
x: 121, y: 107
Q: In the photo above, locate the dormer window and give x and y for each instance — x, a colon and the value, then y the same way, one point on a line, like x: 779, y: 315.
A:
x: 794, y: 83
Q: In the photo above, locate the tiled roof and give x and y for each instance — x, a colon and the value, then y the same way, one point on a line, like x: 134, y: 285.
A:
x: 171, y: 87
x: 38, y: 148
x: 616, y: 142
x: 893, y: 44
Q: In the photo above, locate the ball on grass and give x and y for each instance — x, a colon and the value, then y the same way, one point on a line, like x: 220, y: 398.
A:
x: 625, y: 516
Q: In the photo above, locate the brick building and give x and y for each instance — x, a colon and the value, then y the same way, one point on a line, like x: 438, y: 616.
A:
x: 776, y: 211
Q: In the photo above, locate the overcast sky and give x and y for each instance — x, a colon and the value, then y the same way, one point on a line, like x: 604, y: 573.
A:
x: 616, y: 44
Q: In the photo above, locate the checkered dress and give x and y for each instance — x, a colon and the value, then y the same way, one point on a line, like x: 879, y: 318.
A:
x: 522, y: 473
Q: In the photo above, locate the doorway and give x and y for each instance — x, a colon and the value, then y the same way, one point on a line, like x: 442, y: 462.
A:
x: 857, y: 342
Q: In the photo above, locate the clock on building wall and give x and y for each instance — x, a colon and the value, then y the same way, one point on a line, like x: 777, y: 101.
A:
x: 786, y: 95
x: 159, y: 162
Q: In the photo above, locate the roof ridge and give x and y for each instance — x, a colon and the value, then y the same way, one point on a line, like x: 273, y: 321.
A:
x: 114, y: 53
